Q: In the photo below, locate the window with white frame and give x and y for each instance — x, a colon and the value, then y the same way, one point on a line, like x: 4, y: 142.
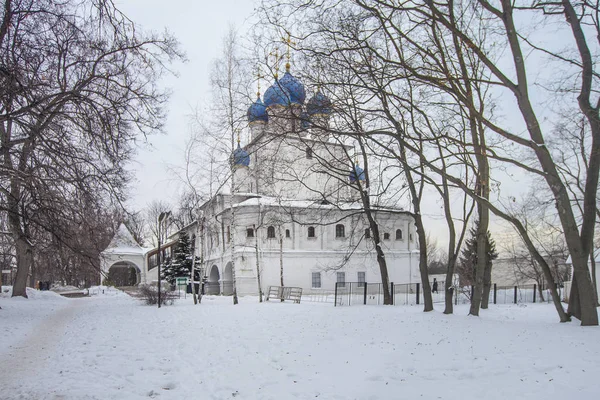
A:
x: 271, y: 232
x: 341, y: 279
x: 311, y: 231
x: 398, y: 234
x: 361, y: 278
x: 340, y: 231
x: 316, y: 280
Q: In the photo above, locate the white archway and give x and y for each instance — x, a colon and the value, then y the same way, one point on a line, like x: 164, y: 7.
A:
x: 227, y: 281
x: 124, y: 273
x: 213, y: 286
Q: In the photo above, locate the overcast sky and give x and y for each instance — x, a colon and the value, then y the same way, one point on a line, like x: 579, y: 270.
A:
x: 199, y: 26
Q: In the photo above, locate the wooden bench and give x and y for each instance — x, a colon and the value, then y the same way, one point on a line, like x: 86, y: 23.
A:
x: 285, y: 293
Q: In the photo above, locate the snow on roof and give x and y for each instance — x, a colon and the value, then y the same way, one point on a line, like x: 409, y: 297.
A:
x: 124, y: 243
x: 274, y: 201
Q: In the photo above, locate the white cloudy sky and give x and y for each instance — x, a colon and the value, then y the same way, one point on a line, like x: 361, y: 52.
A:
x: 199, y: 26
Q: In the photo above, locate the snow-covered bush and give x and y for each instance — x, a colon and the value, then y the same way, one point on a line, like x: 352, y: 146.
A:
x: 150, y: 295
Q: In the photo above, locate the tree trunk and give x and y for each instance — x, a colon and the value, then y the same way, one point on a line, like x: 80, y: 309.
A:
x: 540, y: 289
x: 24, y: 253
x: 428, y: 299
x: 487, y: 285
x: 281, y: 261
x: 582, y: 303
x: 594, y: 280
x: 260, y: 297
x: 481, y: 259
x: 385, y: 279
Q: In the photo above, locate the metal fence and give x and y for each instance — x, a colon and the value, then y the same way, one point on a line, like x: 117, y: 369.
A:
x: 355, y: 293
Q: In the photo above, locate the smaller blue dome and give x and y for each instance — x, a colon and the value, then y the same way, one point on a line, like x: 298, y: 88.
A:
x: 319, y: 104
x: 295, y: 87
x: 258, y: 111
x: 304, y: 120
x: 240, y: 157
x: 357, y: 172
x: 277, y: 94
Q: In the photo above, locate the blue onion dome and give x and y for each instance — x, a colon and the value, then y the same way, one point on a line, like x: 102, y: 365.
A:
x: 319, y: 104
x: 241, y: 157
x: 277, y: 95
x: 295, y: 87
x: 304, y: 120
x: 257, y: 112
x: 357, y: 172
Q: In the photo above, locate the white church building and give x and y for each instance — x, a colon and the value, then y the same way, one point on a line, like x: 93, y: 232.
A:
x: 294, y: 216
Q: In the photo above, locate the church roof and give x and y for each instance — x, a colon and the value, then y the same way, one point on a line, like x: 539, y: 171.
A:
x: 314, y: 204
x: 124, y: 243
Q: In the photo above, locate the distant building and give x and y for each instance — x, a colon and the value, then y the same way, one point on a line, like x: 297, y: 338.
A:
x: 294, y: 207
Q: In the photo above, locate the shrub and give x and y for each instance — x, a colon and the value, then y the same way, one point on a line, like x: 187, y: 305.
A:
x: 150, y: 295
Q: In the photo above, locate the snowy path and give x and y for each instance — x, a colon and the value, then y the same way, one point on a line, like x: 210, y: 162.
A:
x: 116, y: 348
x: 23, y: 360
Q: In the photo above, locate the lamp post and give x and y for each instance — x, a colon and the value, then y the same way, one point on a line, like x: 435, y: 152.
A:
x: 163, y: 215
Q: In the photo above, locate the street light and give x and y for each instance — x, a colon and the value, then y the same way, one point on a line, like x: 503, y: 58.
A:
x: 163, y: 215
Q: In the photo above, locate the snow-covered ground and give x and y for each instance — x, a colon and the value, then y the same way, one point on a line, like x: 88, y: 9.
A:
x: 110, y: 346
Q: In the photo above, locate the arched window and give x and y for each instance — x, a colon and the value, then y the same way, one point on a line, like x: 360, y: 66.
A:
x: 340, y: 231
x: 309, y: 153
x: 386, y: 236
x: 398, y: 234
x: 287, y: 233
x: 250, y: 232
x: 311, y: 231
x: 271, y: 232
x: 367, y: 233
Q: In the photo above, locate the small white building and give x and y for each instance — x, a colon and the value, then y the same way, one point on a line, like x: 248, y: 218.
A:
x: 294, y: 216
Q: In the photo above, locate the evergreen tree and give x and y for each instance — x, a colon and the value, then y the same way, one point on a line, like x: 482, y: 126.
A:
x: 468, y: 258
x: 180, y: 264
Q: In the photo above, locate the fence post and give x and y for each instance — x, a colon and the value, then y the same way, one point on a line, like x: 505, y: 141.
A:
x: 349, y: 294
x: 418, y: 290
x: 534, y: 289
x: 392, y: 291
x: 365, y: 294
x: 515, y: 295
x: 495, y: 292
x: 335, y: 296
x: 456, y: 296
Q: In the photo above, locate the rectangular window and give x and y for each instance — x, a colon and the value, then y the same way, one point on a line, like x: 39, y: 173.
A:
x: 250, y: 232
x: 316, y: 280
x: 367, y: 233
x: 362, y: 276
x: 341, y: 279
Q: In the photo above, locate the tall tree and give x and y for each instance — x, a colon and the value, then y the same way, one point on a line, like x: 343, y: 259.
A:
x: 78, y: 84
x: 469, y: 262
x: 180, y: 263
x: 449, y: 49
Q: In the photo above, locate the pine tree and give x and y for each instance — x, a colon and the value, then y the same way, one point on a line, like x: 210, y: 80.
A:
x: 468, y: 258
x: 180, y: 264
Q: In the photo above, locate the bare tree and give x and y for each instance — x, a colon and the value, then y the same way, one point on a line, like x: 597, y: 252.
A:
x: 452, y: 48
x: 78, y: 85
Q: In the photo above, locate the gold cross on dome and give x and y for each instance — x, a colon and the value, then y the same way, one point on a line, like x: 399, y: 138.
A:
x: 277, y: 58
x: 289, y: 44
x: 259, y: 76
